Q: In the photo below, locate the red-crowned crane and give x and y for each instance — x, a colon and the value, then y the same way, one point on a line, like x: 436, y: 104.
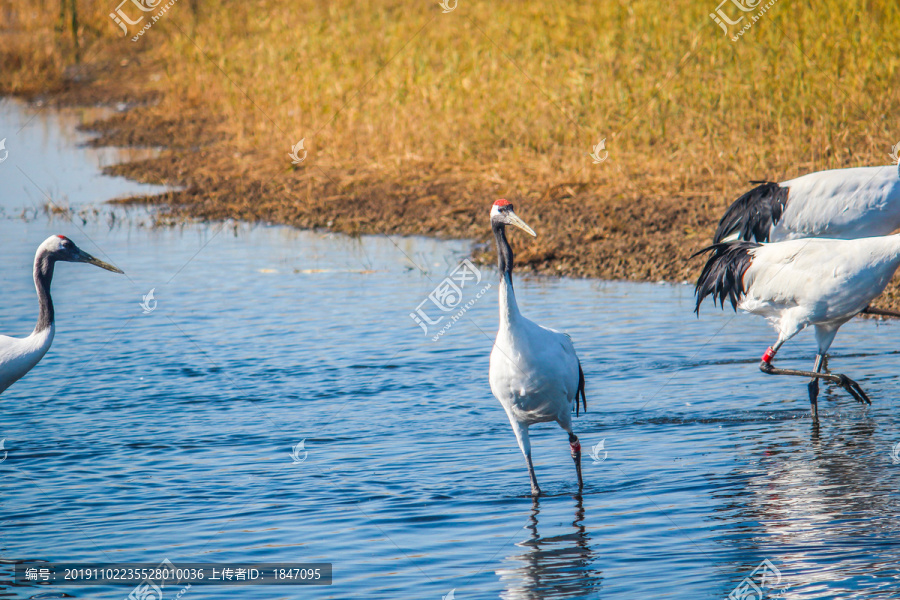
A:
x: 796, y: 283
x: 19, y: 355
x: 840, y: 203
x: 534, y: 373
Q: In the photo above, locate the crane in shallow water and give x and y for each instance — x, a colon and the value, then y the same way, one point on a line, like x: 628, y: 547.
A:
x: 534, y: 372
x: 797, y: 283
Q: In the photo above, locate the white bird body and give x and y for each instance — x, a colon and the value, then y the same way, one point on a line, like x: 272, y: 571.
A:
x: 534, y: 371
x: 817, y: 281
x: 19, y: 355
x: 839, y: 204
x: 796, y: 283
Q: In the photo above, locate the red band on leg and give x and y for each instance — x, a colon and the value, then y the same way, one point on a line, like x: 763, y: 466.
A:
x: 768, y: 356
x: 576, y: 447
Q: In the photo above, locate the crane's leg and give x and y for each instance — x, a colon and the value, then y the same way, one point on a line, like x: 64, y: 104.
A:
x: 845, y: 382
x: 521, y: 432
x: 881, y: 312
x: 814, y: 387
x: 575, y: 446
x: 535, y: 488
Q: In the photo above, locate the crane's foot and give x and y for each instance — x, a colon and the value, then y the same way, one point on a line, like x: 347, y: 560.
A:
x: 842, y: 380
x: 853, y: 389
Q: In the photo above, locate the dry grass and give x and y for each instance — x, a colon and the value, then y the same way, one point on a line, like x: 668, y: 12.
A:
x: 415, y: 120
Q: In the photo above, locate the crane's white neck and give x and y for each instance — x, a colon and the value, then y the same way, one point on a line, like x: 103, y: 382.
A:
x: 43, y: 274
x: 509, y: 310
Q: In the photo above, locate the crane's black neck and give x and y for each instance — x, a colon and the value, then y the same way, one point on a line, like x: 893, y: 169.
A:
x: 43, y: 274
x: 509, y: 310
x: 504, y: 251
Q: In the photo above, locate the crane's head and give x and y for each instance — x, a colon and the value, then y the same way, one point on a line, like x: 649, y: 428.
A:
x: 502, y: 213
x: 61, y: 248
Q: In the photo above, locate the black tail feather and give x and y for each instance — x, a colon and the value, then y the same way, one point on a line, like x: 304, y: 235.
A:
x: 580, y: 390
x: 723, y: 274
x: 754, y: 213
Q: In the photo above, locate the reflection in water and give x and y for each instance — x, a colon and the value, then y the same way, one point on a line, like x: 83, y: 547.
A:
x: 810, y: 504
x: 552, y: 567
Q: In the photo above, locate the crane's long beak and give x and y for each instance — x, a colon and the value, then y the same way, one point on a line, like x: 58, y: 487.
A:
x: 87, y: 258
x: 514, y: 219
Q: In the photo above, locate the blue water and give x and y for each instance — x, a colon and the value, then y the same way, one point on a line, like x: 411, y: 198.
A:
x: 142, y: 437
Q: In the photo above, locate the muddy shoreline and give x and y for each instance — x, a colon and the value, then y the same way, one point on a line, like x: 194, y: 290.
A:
x: 584, y: 229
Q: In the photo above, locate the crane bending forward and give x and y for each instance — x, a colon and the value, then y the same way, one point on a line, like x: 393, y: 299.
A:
x: 534, y: 373
x: 797, y: 283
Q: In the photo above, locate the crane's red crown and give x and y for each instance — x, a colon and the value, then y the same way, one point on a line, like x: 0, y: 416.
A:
x: 502, y: 202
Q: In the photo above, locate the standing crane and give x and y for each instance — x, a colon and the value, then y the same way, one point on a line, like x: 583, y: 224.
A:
x: 797, y: 283
x: 534, y: 372
x: 20, y: 355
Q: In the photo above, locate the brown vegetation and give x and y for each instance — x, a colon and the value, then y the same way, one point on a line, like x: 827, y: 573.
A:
x: 415, y: 120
